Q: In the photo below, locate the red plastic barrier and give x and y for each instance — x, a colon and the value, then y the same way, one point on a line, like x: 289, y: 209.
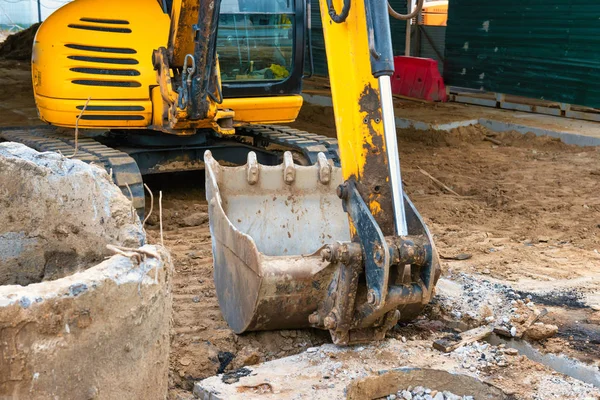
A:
x: 418, y: 78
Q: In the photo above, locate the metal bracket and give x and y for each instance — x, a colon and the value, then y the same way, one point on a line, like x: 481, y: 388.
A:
x: 376, y: 252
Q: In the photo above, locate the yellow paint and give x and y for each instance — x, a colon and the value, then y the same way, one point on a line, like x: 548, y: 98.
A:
x: 375, y: 207
x: 62, y: 112
x: 257, y: 110
x: 185, y: 14
x: 57, y: 96
x: 349, y: 73
x: 435, y: 13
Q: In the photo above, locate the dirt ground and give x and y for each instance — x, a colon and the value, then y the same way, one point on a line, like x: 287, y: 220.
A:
x: 527, y: 214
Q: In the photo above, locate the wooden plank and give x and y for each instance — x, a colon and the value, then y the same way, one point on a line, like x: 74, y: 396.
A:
x: 451, y: 343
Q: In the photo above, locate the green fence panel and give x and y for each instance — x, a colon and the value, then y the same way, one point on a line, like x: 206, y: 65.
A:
x: 544, y: 49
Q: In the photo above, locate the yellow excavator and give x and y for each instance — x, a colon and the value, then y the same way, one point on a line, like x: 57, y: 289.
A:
x: 307, y: 231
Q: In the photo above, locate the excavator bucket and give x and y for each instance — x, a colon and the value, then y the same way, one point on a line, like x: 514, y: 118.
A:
x: 273, y: 229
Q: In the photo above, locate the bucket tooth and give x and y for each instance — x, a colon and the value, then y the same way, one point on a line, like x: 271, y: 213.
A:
x: 252, y: 168
x: 289, y: 170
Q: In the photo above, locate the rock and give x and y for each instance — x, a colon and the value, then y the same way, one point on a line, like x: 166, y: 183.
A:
x: 391, y: 397
x: 511, y: 352
x: 451, y: 396
x: 540, y: 331
x: 594, y: 318
x: 185, y: 361
x: 513, y: 331
x: 245, y: 357
x: 595, y: 307
x: 153, y: 220
x: 438, y: 396
x: 420, y: 390
x: 406, y: 395
x: 194, y: 219
x: 312, y: 349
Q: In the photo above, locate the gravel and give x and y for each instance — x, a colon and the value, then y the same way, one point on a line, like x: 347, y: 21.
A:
x: 423, y: 393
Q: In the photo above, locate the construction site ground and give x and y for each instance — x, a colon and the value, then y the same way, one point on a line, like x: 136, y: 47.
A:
x: 521, y: 213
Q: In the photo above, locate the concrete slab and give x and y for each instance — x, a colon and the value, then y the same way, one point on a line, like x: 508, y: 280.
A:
x: 377, y: 370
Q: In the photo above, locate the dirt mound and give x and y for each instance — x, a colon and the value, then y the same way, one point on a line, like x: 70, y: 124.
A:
x: 18, y: 46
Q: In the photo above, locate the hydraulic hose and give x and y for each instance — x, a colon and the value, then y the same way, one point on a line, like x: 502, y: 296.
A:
x: 403, y: 17
x: 341, y: 17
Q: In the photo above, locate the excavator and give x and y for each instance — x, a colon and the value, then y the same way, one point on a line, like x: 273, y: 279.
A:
x: 307, y: 231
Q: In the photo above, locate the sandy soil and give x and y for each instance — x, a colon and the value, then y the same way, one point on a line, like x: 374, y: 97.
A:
x: 527, y: 213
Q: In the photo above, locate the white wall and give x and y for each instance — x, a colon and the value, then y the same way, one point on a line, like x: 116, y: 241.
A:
x: 25, y: 12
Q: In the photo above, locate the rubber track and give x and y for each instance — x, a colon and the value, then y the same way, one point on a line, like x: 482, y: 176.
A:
x: 125, y: 171
x: 309, y: 144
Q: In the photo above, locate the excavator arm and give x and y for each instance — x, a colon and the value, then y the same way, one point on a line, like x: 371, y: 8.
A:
x: 192, y: 100
x: 319, y: 246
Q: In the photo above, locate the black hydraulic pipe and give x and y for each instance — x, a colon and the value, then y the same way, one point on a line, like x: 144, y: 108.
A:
x: 205, y: 54
x: 380, y: 38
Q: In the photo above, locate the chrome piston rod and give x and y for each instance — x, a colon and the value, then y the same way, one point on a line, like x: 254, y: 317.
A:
x: 391, y: 146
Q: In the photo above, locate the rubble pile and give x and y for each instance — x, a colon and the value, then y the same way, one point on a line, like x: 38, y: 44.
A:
x: 483, y: 302
x: 421, y: 393
x: 18, y: 46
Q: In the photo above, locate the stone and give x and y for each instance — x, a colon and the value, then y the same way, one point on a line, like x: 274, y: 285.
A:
x: 541, y: 331
x: 513, y: 331
x: 406, y: 395
x: 419, y: 390
x: 438, y: 396
x: 451, y: 396
x: 185, y: 361
x: 246, y: 357
x: 391, y: 397
x: 594, y: 318
x: 194, y: 219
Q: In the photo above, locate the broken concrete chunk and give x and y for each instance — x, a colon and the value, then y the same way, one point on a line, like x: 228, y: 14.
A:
x: 74, y: 324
